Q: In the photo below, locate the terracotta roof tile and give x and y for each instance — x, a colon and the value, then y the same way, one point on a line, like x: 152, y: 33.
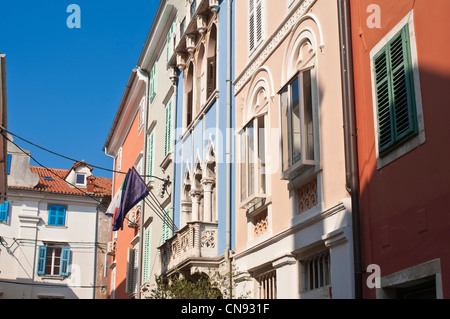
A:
x: 53, y: 180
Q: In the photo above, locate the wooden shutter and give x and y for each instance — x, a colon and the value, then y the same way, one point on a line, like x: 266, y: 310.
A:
x: 42, y: 256
x: 165, y: 226
x: 153, y: 81
x: 168, y: 133
x: 189, y: 108
x: 251, y: 24
x: 259, y: 21
x: 4, y: 208
x: 394, y: 89
x: 211, y: 76
x: 150, y: 154
x: 65, y: 260
x: 146, y: 262
x: 130, y: 270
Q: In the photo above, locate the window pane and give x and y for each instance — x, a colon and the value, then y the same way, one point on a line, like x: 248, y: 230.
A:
x: 262, y: 155
x: 295, y: 134
x: 284, y: 129
x: 308, y: 109
x: 80, y: 179
x: 251, y: 159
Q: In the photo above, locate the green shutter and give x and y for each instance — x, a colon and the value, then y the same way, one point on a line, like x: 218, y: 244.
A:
x: 146, y: 263
x: 394, y: 89
x: 168, y: 132
x: 150, y: 154
x: 153, y: 82
x: 165, y: 226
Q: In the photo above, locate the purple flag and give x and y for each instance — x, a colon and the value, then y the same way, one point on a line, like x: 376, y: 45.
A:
x: 134, y: 190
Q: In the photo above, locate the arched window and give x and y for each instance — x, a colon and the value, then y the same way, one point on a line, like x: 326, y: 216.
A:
x: 299, y: 107
x: 211, y: 62
x: 189, y: 93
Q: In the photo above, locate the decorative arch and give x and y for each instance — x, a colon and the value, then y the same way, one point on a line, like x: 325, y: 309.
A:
x: 305, y: 41
x: 259, y: 93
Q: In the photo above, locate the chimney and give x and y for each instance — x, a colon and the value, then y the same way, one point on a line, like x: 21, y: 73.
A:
x: 90, y: 184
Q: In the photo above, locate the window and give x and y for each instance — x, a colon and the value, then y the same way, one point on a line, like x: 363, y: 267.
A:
x: 189, y: 89
x: 153, y: 82
x: 267, y: 285
x: 80, y: 179
x: 395, y: 93
x: 168, y: 129
x: 131, y: 279
x: 4, y: 208
x: 56, y: 215
x: 316, y: 271
x: 169, y: 37
x: 298, y: 125
x: 53, y: 261
x: 255, y: 23
x: 193, y: 7
x: 8, y: 164
x: 150, y: 155
x: 253, y: 161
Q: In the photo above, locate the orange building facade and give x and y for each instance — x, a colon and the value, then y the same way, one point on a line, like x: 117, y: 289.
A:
x: 401, y: 77
x: 125, y: 143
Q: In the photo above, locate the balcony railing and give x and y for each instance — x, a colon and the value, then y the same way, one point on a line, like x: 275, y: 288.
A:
x: 195, y: 241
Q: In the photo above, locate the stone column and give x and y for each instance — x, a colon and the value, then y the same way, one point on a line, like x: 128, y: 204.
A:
x: 195, y: 194
x: 208, y: 210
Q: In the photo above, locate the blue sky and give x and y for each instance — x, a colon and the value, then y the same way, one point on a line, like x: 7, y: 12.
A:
x: 64, y: 85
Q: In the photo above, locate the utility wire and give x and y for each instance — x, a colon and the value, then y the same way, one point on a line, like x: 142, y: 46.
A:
x: 164, y: 217
x: 69, y: 158
x: 82, y: 192
x: 155, y: 199
x: 156, y: 207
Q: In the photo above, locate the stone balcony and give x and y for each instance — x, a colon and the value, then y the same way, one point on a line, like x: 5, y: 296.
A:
x: 191, y: 248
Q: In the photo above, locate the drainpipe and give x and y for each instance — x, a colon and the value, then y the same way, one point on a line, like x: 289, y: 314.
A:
x: 228, y: 150
x: 112, y: 196
x: 142, y: 74
x: 350, y: 135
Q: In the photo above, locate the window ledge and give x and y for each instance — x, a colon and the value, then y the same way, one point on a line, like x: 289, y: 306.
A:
x: 254, y: 202
x: 401, y: 150
x: 56, y: 226
x: 61, y: 278
x: 166, y: 161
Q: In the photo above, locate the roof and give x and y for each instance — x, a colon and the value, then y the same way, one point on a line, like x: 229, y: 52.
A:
x: 55, y: 183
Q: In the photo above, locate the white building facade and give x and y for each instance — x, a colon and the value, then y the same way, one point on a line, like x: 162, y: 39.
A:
x: 49, y: 231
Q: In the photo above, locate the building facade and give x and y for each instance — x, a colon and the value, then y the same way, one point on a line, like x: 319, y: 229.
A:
x: 157, y: 225
x: 52, y: 227
x: 293, y: 212
x: 125, y: 143
x: 204, y: 181
x: 401, y: 75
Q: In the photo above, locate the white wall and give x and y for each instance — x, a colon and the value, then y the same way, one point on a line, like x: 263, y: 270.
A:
x: 27, y: 228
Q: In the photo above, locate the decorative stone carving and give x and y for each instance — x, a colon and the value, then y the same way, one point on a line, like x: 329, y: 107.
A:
x: 307, y: 196
x: 208, y: 239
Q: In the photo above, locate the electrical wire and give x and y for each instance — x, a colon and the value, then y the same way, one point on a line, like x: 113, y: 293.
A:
x: 157, y: 208
x: 43, y: 166
x: 69, y: 158
x: 155, y: 199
